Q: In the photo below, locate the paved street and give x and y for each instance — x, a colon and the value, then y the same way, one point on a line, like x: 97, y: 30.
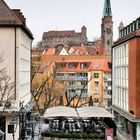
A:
x: 120, y: 137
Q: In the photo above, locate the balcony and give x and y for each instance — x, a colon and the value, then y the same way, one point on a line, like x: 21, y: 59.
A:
x: 70, y: 95
x: 76, y: 87
x: 74, y: 78
x: 107, y: 78
x: 107, y: 87
x: 106, y: 96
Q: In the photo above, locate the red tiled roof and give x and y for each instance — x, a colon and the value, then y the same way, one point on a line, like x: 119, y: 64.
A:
x: 50, y: 51
x: 93, y: 65
x: 79, y: 50
x: 100, y: 64
x: 58, y: 33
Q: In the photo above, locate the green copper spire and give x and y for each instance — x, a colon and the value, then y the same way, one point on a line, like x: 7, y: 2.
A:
x: 107, y: 9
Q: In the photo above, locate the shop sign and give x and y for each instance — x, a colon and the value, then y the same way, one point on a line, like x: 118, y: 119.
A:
x: 109, y: 134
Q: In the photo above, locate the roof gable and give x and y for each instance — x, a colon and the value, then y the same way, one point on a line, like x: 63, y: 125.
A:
x: 63, y: 52
x: 6, y: 15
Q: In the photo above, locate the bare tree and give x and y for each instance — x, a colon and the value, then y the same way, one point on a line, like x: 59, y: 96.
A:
x: 78, y: 98
x: 46, y: 90
x: 6, y: 94
x: 6, y: 87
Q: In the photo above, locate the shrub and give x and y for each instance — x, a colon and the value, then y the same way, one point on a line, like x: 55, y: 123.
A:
x: 80, y: 135
x: 96, y: 135
x: 91, y: 135
x: 84, y: 135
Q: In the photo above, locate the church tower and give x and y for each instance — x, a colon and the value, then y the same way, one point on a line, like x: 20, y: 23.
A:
x: 107, y: 28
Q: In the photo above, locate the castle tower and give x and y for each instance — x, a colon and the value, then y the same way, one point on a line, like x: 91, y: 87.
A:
x: 107, y: 28
x: 84, y: 33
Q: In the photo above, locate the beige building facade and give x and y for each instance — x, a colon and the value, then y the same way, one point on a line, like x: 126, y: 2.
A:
x: 15, y: 50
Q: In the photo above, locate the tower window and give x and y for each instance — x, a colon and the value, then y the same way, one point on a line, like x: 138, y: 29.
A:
x: 108, y: 30
x: 108, y: 42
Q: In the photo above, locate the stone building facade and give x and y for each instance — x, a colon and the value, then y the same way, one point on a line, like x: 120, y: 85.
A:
x: 15, y: 49
x: 68, y: 37
x: 107, y: 28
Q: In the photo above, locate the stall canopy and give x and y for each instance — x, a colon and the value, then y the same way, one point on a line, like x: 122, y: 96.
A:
x: 83, y: 112
x: 60, y: 111
x: 92, y: 111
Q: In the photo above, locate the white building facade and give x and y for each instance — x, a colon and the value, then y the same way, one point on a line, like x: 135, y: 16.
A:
x: 120, y: 76
x: 15, y: 49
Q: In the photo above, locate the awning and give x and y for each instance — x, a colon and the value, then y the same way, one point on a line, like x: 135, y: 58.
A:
x: 83, y: 112
x: 92, y: 111
x: 127, y: 115
x: 60, y: 111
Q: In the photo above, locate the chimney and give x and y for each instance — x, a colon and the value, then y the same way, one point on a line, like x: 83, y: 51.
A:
x: 19, y: 14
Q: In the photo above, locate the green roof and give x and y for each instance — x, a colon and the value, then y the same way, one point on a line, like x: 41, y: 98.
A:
x: 107, y: 9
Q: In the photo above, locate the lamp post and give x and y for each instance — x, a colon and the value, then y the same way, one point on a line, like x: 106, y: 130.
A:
x: 22, y: 123
x: 28, y: 123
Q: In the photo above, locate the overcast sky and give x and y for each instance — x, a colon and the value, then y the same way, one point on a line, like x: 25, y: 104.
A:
x: 44, y: 15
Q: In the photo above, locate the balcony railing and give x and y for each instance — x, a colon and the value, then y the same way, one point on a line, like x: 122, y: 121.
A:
x: 74, y: 78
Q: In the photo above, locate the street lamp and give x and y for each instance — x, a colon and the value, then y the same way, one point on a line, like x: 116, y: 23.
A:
x: 28, y: 123
x: 22, y: 125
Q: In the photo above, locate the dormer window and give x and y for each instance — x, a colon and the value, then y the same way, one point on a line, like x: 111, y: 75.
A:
x: 72, y: 65
x: 83, y: 65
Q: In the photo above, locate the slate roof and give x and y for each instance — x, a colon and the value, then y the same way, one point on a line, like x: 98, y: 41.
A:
x: 6, y: 15
x: 9, y: 17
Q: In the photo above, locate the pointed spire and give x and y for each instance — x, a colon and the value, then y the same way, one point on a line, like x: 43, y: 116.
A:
x: 121, y: 25
x: 107, y: 9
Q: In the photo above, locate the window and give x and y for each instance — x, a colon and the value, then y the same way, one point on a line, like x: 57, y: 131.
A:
x: 83, y: 74
x: 96, y: 100
x: 83, y: 82
x: 59, y: 74
x: 96, y: 75
x: 84, y: 91
x: 72, y: 65
x: 71, y: 82
x: 108, y: 42
x: 71, y: 74
x: 108, y: 30
x: 60, y: 65
x: 83, y: 65
x: 96, y: 83
x: 72, y: 91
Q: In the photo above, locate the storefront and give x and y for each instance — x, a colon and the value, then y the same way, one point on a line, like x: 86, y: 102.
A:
x: 127, y: 125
